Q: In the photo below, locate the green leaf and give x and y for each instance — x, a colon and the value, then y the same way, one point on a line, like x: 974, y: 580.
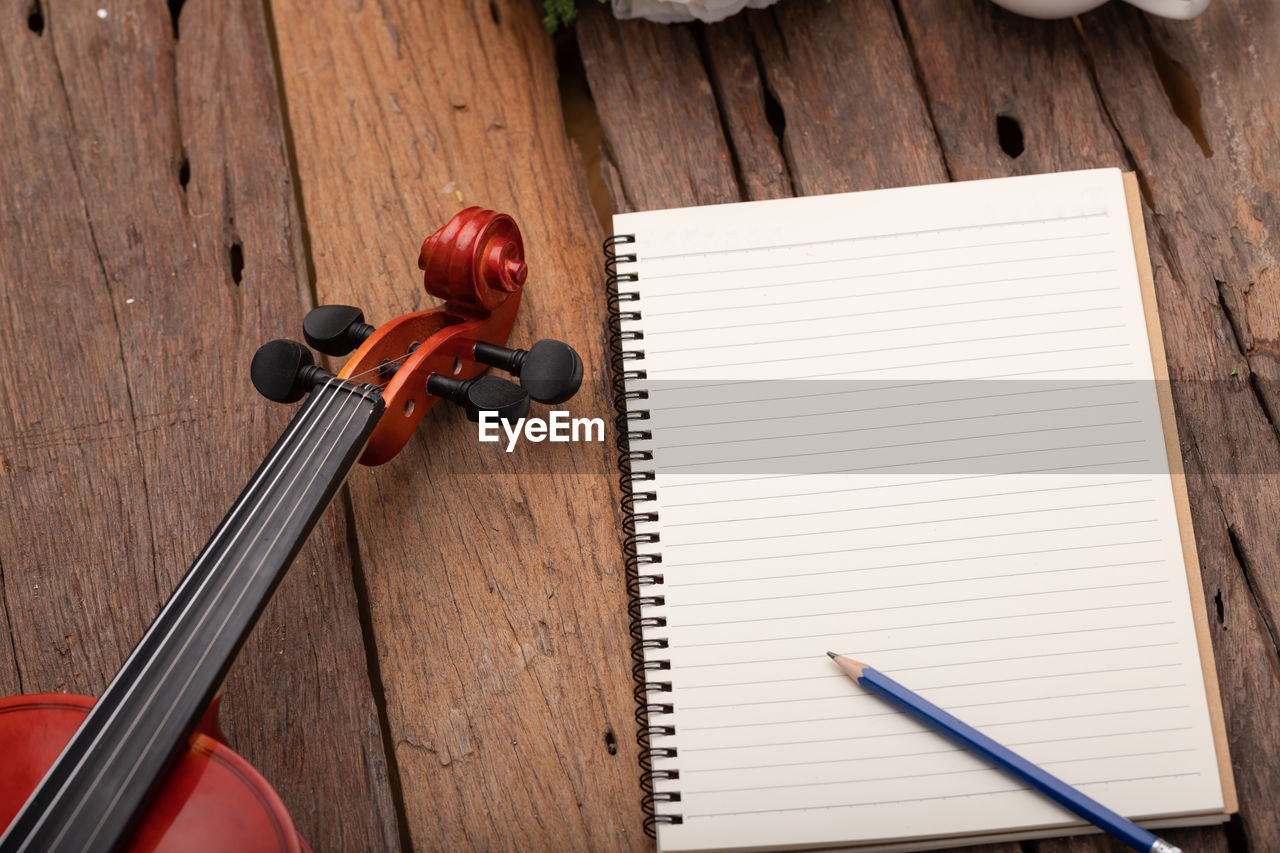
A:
x: 558, y: 13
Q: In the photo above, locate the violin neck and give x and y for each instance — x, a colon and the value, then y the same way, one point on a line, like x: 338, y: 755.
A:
x: 106, y: 774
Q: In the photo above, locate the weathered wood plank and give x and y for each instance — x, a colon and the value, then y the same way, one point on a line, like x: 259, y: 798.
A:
x: 748, y: 109
x: 495, y: 580
x: 842, y: 76
x: 1199, y: 120
x: 124, y: 290
x: 647, y: 79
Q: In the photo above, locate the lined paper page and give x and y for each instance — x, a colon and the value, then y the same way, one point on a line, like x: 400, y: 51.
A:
x: 918, y: 427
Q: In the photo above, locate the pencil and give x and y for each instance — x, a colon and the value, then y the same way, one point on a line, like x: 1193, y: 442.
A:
x: 1001, y: 756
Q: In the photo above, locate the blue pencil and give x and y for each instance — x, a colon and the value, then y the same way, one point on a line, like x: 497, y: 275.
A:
x: 1003, y: 757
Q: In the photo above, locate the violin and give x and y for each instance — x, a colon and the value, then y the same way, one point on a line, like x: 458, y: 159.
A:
x: 145, y: 767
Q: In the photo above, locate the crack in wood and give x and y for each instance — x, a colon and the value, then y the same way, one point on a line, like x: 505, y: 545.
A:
x: 1009, y: 135
x: 1237, y: 838
x: 309, y: 295
x: 309, y: 298
x: 922, y: 90
x: 35, y: 18
x: 175, y: 10
x: 1238, y: 336
x: 236, y: 258
x: 1130, y: 159
x: 360, y: 583
x: 8, y: 620
x: 1238, y: 556
x: 1184, y: 100
x: 1246, y: 572
x: 774, y: 113
x: 735, y: 162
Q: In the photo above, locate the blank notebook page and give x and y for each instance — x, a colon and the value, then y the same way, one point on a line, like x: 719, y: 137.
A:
x: 918, y: 427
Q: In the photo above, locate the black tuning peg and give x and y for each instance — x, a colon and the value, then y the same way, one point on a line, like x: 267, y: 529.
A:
x: 335, y: 329
x: 549, y: 370
x: 486, y: 394
x: 284, y: 371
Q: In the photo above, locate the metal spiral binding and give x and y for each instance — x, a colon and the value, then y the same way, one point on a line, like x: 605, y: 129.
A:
x: 643, y: 591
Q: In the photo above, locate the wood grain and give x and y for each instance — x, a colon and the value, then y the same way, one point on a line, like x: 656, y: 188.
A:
x: 648, y: 79
x: 1208, y: 157
x: 495, y: 584
x: 128, y: 337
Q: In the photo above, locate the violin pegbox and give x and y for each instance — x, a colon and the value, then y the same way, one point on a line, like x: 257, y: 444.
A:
x: 476, y: 264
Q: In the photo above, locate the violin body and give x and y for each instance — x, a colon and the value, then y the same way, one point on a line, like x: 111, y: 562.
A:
x: 213, y: 800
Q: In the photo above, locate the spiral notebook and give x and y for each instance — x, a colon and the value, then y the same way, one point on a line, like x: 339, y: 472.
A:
x: 929, y: 428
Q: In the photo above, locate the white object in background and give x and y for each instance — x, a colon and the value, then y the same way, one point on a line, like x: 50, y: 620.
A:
x: 677, y: 11
x: 1181, y: 9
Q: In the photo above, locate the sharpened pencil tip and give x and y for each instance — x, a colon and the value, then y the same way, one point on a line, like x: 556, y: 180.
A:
x: 832, y: 655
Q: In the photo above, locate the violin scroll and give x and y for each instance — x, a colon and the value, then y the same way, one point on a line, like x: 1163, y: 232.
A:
x: 476, y: 264
x: 475, y: 260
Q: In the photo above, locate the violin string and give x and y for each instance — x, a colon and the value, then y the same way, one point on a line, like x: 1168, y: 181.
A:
x: 191, y: 575
x: 226, y: 582
x: 244, y: 589
x: 177, y: 626
x: 398, y: 361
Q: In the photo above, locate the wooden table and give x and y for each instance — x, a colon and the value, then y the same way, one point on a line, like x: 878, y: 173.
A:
x: 446, y: 666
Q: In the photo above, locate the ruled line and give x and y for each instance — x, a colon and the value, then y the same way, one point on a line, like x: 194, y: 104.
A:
x: 866, y: 294
x: 938, y: 582
x: 991, y: 769
x: 916, y: 605
x: 1101, y: 485
x: 908, y: 483
x: 851, y: 333
x: 872, y: 385
x: 741, y: 306
x: 836, y: 675
x: 948, y: 643
x: 913, y: 565
x: 915, y: 754
x: 915, y: 625
x: 688, y: 815
x: 683, y: 563
x: 949, y: 439
x: 759, y: 538
x: 846, y: 430
x: 861, y: 759
x: 905, y: 346
x: 847, y: 373
x: 704, y: 483
x: 829, y: 412
x: 922, y: 730
x: 649, y: 296
x: 1144, y: 667
x: 912, y: 252
x: 892, y: 712
x: 884, y: 235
